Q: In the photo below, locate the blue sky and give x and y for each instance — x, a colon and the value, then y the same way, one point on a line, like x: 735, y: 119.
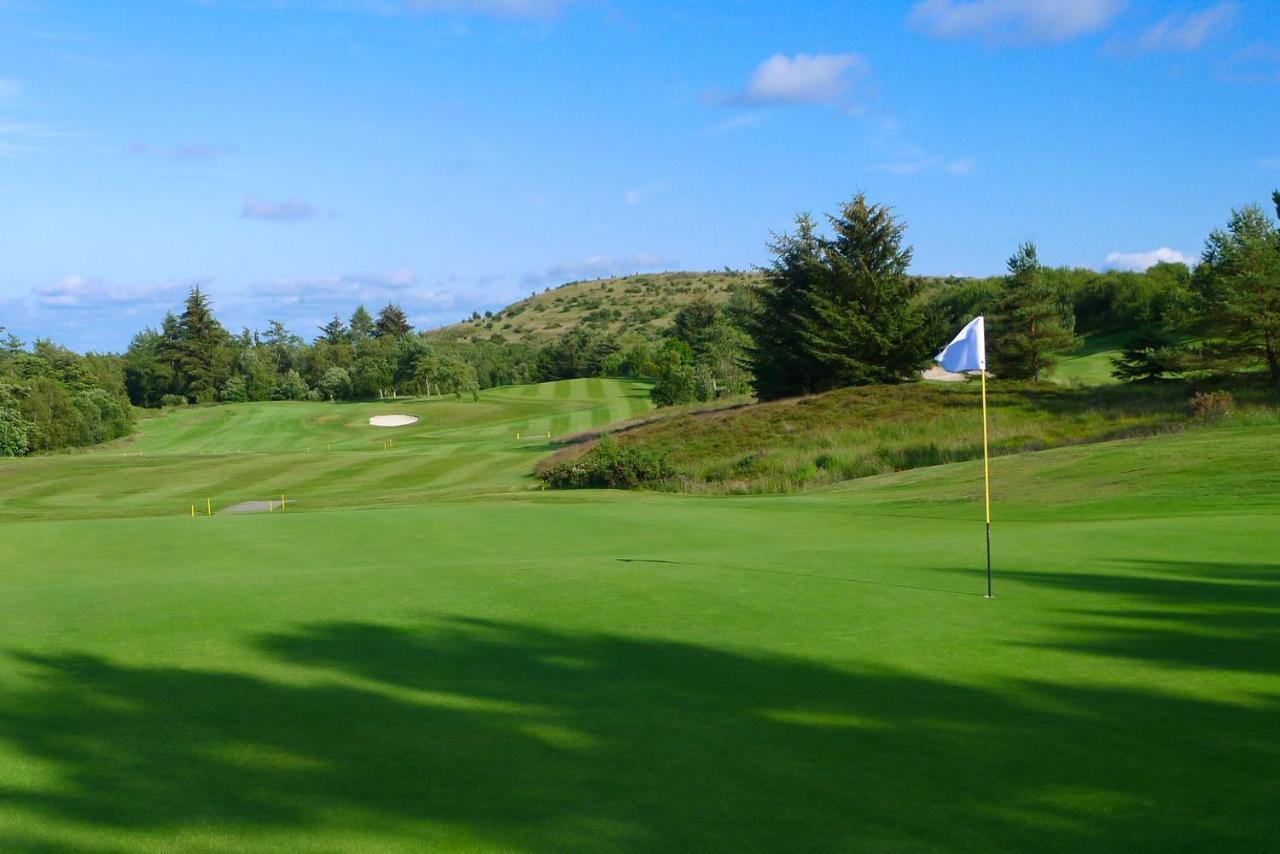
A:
x: 302, y: 156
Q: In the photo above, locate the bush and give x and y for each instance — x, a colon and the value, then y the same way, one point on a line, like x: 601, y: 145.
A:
x: 173, y: 400
x: 1212, y: 405
x: 15, y: 432
x: 611, y: 466
x: 235, y: 390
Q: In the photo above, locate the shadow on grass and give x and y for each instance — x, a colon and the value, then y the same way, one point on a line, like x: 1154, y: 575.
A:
x: 1187, y: 614
x: 553, y: 741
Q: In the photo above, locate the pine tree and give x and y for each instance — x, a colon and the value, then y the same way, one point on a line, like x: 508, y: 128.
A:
x: 1031, y: 323
x: 334, y: 332
x: 1239, y: 282
x: 197, y: 345
x: 362, y: 327
x: 392, y: 322
x: 839, y: 311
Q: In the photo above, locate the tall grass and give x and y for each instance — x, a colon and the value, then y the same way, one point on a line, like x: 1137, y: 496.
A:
x: 796, y: 444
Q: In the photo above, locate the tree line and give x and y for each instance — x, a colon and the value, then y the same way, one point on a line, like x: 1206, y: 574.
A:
x: 836, y: 308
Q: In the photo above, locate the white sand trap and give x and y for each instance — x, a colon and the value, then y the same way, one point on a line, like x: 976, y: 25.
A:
x: 393, y: 420
x: 937, y: 374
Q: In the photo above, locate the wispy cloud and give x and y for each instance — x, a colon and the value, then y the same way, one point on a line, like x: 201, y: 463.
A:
x: 924, y: 165
x: 733, y: 124
x: 9, y: 88
x: 1259, y: 62
x: 1013, y: 21
x: 1269, y: 163
x: 1180, y: 32
x: 596, y: 267
x: 640, y: 195
x: 819, y: 78
x: 79, y: 291
x: 1139, y: 261
x: 183, y: 151
x: 289, y: 210
x: 511, y: 9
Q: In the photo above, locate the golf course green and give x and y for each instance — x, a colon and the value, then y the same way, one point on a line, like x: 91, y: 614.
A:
x: 426, y: 653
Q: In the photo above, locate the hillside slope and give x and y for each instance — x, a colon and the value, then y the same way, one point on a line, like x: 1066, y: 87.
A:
x: 851, y: 433
x: 642, y: 305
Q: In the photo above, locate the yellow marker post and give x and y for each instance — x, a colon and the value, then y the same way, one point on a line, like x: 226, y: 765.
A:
x: 208, y: 506
x: 986, y: 476
x: 282, y: 501
x: 193, y: 511
x: 271, y: 506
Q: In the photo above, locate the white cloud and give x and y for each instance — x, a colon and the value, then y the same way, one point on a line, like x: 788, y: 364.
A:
x: 595, y: 267
x: 289, y: 210
x: 1017, y: 21
x: 1185, y: 32
x: 185, y: 151
x: 640, y: 195
x: 1142, y: 260
x: 78, y: 291
x: 1258, y: 62
x: 519, y: 9
x: 804, y: 78
x: 922, y: 165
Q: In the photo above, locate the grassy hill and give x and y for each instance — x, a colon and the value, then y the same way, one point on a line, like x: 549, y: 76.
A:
x: 474, y: 666
x: 642, y: 305
x: 801, y: 443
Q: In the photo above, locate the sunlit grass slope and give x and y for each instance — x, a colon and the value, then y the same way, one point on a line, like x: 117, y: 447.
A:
x: 318, y: 454
x: 654, y: 672
x: 1091, y: 364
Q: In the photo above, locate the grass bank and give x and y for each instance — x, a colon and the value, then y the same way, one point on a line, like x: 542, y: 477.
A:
x: 790, y: 445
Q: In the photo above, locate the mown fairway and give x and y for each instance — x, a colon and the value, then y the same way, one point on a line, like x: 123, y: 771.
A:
x: 474, y: 666
x: 319, y: 454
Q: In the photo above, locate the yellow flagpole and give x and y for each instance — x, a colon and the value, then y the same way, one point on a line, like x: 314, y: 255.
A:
x: 986, y: 475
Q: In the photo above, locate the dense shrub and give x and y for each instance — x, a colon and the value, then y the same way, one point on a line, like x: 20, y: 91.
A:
x: 173, y: 400
x: 611, y: 466
x: 1211, y: 405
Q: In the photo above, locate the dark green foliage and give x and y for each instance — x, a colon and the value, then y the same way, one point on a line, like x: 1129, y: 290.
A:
x: 15, y: 429
x: 1239, y: 283
x: 1152, y: 355
x: 392, y: 322
x: 841, y: 310
x: 290, y: 387
x: 1031, y: 321
x: 334, y: 332
x: 335, y: 384
x: 362, y: 325
x: 609, y: 465
x: 235, y: 390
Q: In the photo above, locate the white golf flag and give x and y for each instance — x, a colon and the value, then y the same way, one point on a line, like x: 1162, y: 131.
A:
x: 968, y: 350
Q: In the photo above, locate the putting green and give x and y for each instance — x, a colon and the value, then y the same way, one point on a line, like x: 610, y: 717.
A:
x: 643, y: 672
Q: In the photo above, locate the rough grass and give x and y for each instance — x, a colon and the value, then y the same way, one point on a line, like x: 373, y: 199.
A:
x: 852, y: 433
x: 643, y: 304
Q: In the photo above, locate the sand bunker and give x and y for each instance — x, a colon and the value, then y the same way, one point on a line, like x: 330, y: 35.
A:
x: 392, y: 420
x: 937, y: 374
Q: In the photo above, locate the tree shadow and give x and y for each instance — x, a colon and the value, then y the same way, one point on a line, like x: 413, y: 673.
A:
x: 548, y: 740
x: 1187, y: 614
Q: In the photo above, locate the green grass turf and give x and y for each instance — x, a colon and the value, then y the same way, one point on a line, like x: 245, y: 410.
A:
x: 1091, y: 363
x: 319, y: 454
x: 653, y: 672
